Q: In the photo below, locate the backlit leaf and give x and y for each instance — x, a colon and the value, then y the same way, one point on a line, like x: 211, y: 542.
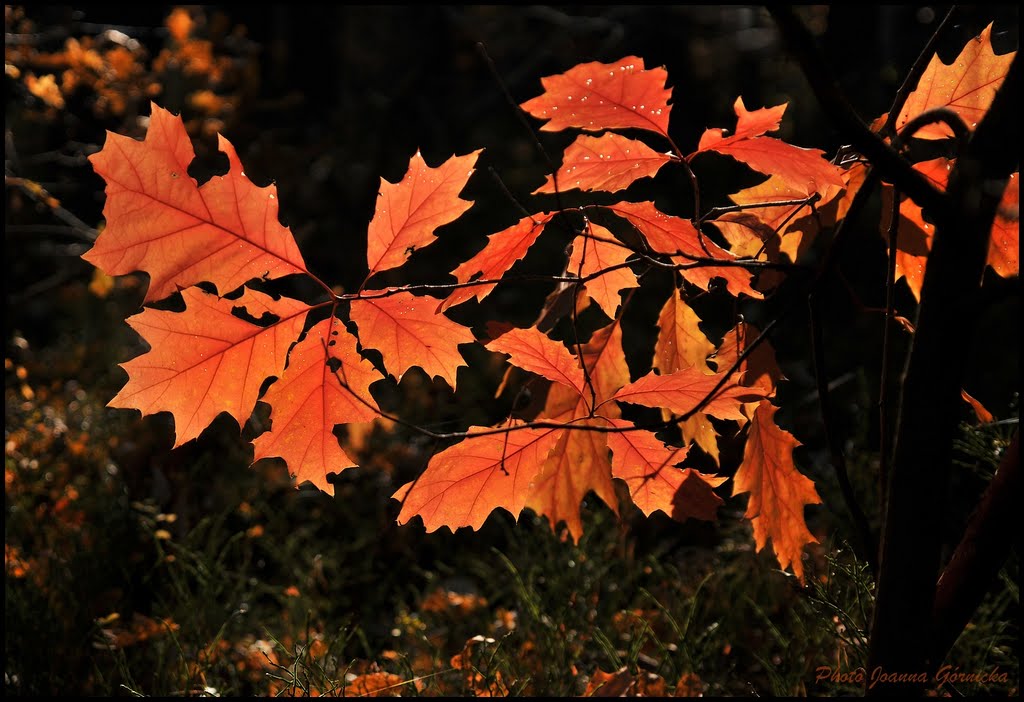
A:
x: 610, y: 162
x: 161, y: 222
x: 680, y: 344
x: 310, y: 399
x: 577, y: 465
x: 914, y: 239
x: 682, y: 391
x: 466, y: 482
x: 503, y: 249
x: 673, y: 235
x: 647, y: 466
x: 532, y: 350
x: 597, y: 96
x: 597, y: 256
x: 205, y: 360
x: 408, y: 332
x: 410, y: 210
x: 778, y: 492
x: 1004, y: 246
x: 606, y: 364
x: 965, y: 86
x: 805, y: 170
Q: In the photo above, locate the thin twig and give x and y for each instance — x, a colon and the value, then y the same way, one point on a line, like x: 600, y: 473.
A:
x: 715, y: 212
x: 884, y: 447
x: 861, y: 526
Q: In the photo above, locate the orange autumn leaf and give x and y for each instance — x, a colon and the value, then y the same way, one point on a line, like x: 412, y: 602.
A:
x: 378, y: 684
x: 579, y: 462
x: 982, y: 414
x: 680, y: 343
x: 805, y: 170
x: 622, y: 683
x: 966, y: 86
x: 681, y: 391
x: 408, y: 332
x: 610, y: 162
x: 606, y: 364
x: 699, y: 430
x: 463, y: 484
x: 604, y: 684
x: 577, y: 465
x: 672, y: 235
x: 1004, y: 246
x: 310, y: 399
x: 795, y: 225
x: 409, y: 211
x: 530, y: 349
x: 598, y: 256
x: 159, y: 221
x: 647, y: 466
x: 597, y: 96
x: 914, y: 238
x: 205, y: 360
x: 778, y: 491
x: 496, y: 258
x: 760, y: 369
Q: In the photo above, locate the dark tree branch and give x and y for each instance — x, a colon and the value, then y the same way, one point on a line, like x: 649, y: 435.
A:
x: 990, y: 536
x: 902, y: 637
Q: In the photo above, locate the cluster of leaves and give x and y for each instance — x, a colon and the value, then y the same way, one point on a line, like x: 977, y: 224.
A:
x: 219, y: 245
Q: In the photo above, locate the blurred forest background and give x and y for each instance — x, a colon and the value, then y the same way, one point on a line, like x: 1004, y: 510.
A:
x: 134, y: 569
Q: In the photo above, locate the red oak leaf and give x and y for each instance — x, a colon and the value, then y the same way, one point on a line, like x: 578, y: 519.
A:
x: 410, y: 210
x: 466, y: 482
x: 161, y: 222
x: 577, y: 464
x: 599, y: 256
x: 496, y: 258
x: 408, y: 332
x: 647, y: 466
x: 805, y: 170
x: 795, y: 224
x: 680, y: 344
x: 610, y: 162
x: 914, y: 240
x: 597, y: 96
x: 532, y: 350
x: 681, y: 391
x: 965, y: 86
x: 310, y: 399
x: 778, y: 492
x: 205, y: 360
x: 759, y: 370
x: 672, y: 235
